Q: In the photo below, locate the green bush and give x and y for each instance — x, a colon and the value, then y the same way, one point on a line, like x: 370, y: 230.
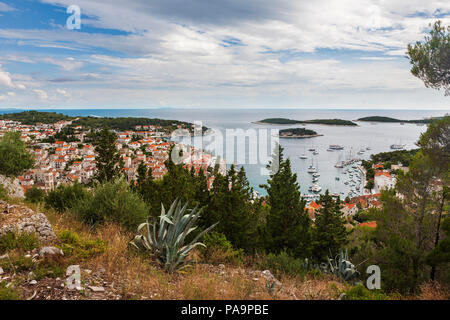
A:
x: 80, y: 249
x: 112, y: 201
x: 48, y: 268
x: 8, y: 293
x: 14, y: 157
x: 360, y: 292
x: 283, y: 263
x: 34, y: 195
x: 23, y: 241
x: 220, y: 250
x: 64, y: 197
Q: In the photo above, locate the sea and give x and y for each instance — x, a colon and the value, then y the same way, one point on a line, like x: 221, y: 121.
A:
x: 371, y: 137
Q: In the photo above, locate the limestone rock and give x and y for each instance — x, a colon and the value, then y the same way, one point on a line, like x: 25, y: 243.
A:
x: 20, y: 219
x: 50, y: 252
x: 12, y: 186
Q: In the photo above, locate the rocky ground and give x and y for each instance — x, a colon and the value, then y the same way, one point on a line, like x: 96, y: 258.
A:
x: 12, y: 186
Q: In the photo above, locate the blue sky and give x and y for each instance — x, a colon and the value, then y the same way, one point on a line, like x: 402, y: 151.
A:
x: 215, y: 53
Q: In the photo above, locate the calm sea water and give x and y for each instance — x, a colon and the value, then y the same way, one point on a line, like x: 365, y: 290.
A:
x: 379, y: 137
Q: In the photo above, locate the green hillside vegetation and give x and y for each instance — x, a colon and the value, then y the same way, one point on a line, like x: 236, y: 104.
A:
x: 122, y: 123
x: 298, y: 132
x: 335, y: 122
x: 388, y: 119
x: 279, y: 121
x: 33, y: 117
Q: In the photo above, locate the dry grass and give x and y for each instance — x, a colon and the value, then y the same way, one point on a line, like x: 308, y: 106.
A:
x: 137, y: 276
x: 433, y: 291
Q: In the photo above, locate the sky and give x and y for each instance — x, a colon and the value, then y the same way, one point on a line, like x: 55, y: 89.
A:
x: 347, y: 54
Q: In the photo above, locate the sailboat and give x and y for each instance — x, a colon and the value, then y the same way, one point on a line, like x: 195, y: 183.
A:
x: 303, y: 156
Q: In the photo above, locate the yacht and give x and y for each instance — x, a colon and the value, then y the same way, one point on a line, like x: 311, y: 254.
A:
x: 397, y: 146
x: 315, y: 153
x: 315, y: 175
x: 311, y: 169
x: 316, y: 188
x: 303, y: 156
x: 336, y: 147
x: 315, y: 179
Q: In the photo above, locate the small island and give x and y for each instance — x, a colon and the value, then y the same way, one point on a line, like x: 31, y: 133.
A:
x: 393, y: 120
x: 299, y: 133
x: 284, y: 121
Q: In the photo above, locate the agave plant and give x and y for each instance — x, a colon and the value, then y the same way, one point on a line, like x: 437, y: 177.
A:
x: 342, y: 267
x: 165, y: 236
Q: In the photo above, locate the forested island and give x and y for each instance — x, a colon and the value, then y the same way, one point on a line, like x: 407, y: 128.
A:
x: 283, y: 121
x: 298, y: 133
x: 393, y: 120
x: 121, y: 123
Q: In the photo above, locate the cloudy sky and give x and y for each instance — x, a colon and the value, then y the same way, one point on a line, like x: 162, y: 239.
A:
x: 215, y: 53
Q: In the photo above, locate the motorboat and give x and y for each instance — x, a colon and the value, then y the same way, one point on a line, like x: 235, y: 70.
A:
x: 397, y: 146
x: 336, y: 147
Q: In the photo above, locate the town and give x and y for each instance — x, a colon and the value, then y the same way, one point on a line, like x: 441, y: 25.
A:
x: 61, y: 162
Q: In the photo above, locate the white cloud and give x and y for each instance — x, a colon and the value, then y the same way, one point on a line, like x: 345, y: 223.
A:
x: 64, y: 93
x: 178, y: 50
x: 6, y: 8
x: 41, y: 94
x: 67, y: 64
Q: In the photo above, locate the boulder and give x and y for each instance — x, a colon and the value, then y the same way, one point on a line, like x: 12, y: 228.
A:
x: 12, y: 186
x: 20, y: 219
x: 50, y: 252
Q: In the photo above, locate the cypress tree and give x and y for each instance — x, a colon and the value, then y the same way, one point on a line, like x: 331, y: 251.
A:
x: 288, y: 225
x: 108, y: 161
x: 329, y: 233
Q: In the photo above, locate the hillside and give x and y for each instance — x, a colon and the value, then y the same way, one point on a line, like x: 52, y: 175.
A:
x: 121, y: 123
x: 32, y: 270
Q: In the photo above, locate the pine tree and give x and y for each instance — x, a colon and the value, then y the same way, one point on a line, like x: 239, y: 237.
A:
x: 329, y: 232
x: 288, y: 225
x: 108, y: 161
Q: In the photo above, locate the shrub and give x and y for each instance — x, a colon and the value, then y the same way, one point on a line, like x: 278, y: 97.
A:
x: 23, y: 241
x: 360, y: 292
x: 64, y: 197
x: 112, y: 201
x: 8, y: 293
x: 14, y: 157
x: 34, y: 195
x: 80, y: 249
x: 219, y: 249
x: 283, y: 263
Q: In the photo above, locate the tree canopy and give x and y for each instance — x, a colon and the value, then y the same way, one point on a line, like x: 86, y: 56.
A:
x: 431, y: 59
x: 14, y: 156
